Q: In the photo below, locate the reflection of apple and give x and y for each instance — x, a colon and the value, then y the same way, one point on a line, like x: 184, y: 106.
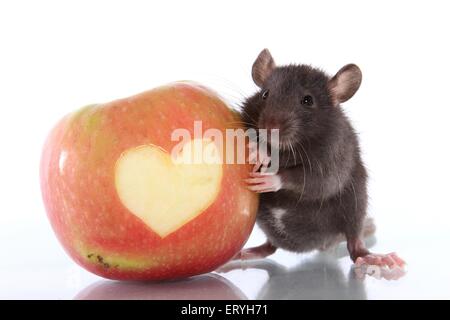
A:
x: 121, y: 206
x: 203, y: 287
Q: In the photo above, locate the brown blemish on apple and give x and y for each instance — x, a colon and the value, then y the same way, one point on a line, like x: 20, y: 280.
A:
x: 100, y: 260
x: 107, y: 260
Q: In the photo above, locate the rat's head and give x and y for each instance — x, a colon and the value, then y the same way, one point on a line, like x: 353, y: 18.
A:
x: 299, y: 100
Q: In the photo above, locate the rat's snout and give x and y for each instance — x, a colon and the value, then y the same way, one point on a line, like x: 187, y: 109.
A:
x: 271, y: 123
x: 285, y: 122
x: 277, y: 122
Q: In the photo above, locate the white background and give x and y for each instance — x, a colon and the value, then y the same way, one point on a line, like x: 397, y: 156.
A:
x: 56, y: 56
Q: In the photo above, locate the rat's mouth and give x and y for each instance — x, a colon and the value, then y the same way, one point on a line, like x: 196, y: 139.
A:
x: 279, y: 132
x: 276, y: 141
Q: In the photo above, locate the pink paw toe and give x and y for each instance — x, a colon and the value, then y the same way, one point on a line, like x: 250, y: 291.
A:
x: 390, y: 260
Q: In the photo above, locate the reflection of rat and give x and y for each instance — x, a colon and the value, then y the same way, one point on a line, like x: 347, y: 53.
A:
x: 319, y: 194
x: 317, y: 277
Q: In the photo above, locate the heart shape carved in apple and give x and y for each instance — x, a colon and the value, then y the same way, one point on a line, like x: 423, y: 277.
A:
x: 167, y: 192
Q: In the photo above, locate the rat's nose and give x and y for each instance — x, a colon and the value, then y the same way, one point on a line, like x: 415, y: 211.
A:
x: 270, y: 124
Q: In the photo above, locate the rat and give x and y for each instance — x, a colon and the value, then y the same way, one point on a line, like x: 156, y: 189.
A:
x: 318, y: 197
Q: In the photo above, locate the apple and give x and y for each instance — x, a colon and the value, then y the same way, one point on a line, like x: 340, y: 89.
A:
x: 121, y: 204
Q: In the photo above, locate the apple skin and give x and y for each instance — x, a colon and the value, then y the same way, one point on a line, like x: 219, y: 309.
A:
x: 84, y: 209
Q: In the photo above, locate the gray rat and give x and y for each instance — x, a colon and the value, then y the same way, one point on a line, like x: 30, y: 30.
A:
x: 318, y: 197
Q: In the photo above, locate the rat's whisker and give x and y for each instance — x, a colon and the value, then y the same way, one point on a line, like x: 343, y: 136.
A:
x: 307, y: 157
x: 289, y: 157
x: 241, y: 123
x: 248, y: 116
x: 304, y: 181
x: 293, y: 153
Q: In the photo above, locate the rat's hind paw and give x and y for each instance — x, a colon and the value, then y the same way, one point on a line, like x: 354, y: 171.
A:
x: 259, y: 252
x: 250, y: 254
x: 378, y: 272
x: 390, y: 260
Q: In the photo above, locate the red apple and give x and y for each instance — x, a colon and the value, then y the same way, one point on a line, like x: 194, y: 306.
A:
x: 119, y: 204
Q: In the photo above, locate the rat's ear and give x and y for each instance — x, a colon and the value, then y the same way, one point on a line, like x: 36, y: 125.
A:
x: 262, y: 67
x: 345, y: 83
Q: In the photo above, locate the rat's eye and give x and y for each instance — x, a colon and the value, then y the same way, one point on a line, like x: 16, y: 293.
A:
x: 307, y: 100
x: 265, y: 94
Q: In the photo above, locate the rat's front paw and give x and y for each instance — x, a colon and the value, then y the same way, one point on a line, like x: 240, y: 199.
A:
x: 259, y: 157
x: 263, y: 182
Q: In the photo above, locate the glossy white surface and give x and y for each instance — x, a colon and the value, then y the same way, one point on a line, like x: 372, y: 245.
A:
x: 57, y: 56
x: 39, y: 269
